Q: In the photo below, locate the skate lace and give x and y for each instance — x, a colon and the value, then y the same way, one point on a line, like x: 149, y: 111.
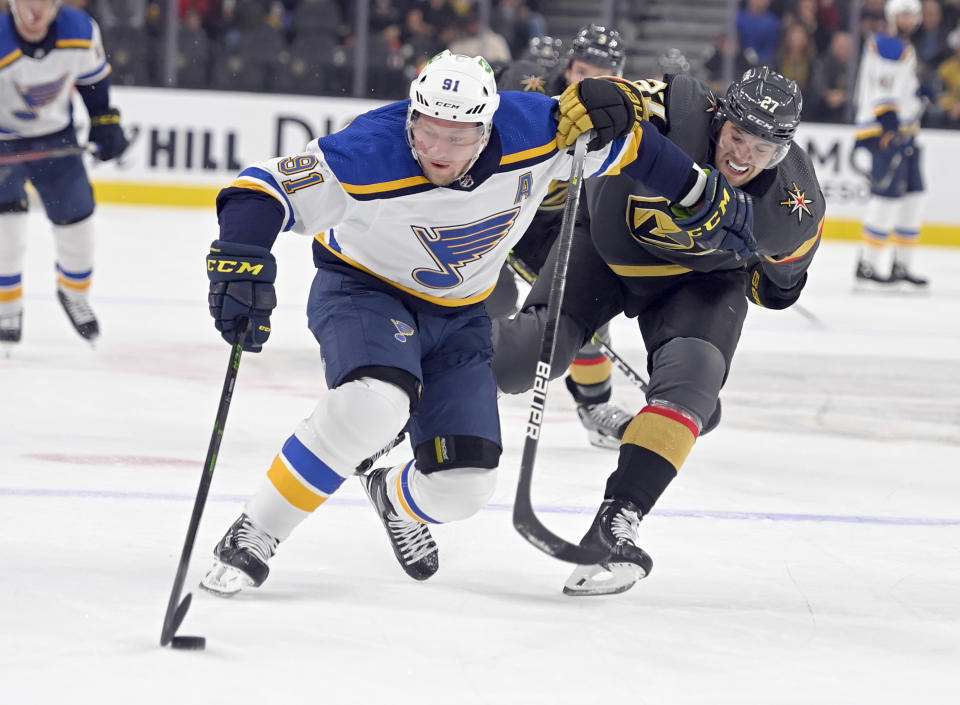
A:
x: 625, y: 526
x: 78, y: 309
x: 412, y: 538
x: 606, y: 417
x: 261, y: 544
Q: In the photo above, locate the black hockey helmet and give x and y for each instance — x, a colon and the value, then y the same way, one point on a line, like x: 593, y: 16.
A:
x: 764, y: 103
x: 595, y: 44
x: 546, y: 51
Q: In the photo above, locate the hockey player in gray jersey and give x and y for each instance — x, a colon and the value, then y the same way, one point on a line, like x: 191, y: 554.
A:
x: 596, y: 51
x: 686, y: 282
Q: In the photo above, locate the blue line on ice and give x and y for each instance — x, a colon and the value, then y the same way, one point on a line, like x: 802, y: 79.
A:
x: 28, y: 492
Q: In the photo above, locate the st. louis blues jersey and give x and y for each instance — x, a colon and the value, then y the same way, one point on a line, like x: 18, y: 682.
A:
x: 364, y: 199
x: 36, y: 80
x: 887, y: 87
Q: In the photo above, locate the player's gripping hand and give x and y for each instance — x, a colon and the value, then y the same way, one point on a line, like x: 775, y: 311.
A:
x: 241, y: 287
x: 106, y: 133
x: 609, y: 106
x: 722, y: 221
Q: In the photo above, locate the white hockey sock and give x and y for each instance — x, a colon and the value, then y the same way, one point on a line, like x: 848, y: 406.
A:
x: 13, y: 248
x: 74, y: 246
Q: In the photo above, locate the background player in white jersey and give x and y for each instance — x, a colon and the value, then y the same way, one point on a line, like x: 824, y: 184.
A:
x: 889, y: 109
x: 45, y: 51
x: 595, y: 51
x: 413, y: 208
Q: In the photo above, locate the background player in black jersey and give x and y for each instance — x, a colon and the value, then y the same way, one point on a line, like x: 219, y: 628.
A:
x: 596, y: 51
x: 687, y: 287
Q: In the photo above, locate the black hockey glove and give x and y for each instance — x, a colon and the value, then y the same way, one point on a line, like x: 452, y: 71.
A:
x: 609, y: 106
x: 723, y: 221
x: 106, y: 133
x: 241, y: 287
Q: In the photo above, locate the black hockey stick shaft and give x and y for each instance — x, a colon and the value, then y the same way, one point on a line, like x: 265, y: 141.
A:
x: 55, y: 153
x: 529, y: 276
x: 525, y: 520
x: 177, y: 609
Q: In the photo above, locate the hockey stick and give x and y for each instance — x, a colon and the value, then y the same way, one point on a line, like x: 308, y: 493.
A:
x: 529, y: 276
x: 525, y: 520
x: 177, y: 609
x: 56, y: 153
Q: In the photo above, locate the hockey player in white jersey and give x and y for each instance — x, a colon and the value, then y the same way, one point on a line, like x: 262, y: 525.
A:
x: 46, y: 51
x: 889, y: 109
x: 412, y: 209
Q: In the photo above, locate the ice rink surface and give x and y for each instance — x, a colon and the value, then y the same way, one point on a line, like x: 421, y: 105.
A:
x: 809, y: 551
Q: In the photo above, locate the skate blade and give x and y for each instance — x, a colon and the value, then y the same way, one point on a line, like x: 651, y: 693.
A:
x: 224, y: 580
x: 599, y: 440
x: 610, y: 579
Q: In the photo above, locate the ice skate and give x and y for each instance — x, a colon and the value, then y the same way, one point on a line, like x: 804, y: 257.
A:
x: 80, y: 314
x: 240, y: 559
x: 901, y: 275
x: 868, y: 278
x: 412, y: 542
x: 605, y: 423
x: 11, y: 326
x: 614, y: 529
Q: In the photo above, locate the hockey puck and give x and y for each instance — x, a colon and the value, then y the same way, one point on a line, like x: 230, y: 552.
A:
x: 195, y: 643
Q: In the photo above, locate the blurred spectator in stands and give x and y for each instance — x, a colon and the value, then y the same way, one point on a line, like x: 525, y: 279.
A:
x: 949, y: 72
x: 517, y: 23
x: 828, y: 94
x: 951, y: 12
x: 385, y: 14
x: 759, y: 30
x: 193, y: 52
x: 716, y: 58
x: 807, y: 13
x: 118, y: 13
x: 430, y: 25
x: 930, y: 39
x: 872, y: 20
x: 476, y: 40
x: 796, y: 55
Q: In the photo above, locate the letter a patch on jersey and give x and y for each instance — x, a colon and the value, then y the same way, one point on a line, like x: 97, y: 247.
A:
x: 451, y: 247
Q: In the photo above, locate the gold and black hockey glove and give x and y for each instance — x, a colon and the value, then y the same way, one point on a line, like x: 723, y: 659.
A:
x: 609, y: 106
x: 106, y: 133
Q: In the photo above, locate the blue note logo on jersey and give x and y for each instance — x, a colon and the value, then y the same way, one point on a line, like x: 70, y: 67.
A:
x: 451, y: 247
x: 404, y: 330
x: 36, y: 97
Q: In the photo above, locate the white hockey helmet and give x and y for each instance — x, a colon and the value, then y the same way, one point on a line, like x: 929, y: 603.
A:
x: 901, y: 7
x: 458, y: 88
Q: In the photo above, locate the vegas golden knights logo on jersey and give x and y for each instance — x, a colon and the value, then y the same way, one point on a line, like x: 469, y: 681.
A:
x: 649, y: 222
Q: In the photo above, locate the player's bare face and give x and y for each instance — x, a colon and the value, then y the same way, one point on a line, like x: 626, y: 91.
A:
x: 445, y: 147
x: 34, y: 17
x: 741, y: 156
x: 580, y: 70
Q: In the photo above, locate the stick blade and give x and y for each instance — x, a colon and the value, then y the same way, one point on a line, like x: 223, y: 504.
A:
x: 172, y: 624
x: 538, y: 535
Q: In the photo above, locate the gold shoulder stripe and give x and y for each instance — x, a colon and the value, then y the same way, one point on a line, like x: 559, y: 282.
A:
x: 74, y: 43
x: 655, y: 270
x: 800, y: 251
x: 243, y: 182
x: 450, y: 303
x: 385, y: 186
x: 10, y: 58
x: 528, y: 154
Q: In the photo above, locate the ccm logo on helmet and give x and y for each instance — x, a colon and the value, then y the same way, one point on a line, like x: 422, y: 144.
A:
x: 762, y: 123
x: 447, y: 105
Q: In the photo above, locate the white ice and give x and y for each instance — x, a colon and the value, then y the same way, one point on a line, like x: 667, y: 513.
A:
x: 809, y: 551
